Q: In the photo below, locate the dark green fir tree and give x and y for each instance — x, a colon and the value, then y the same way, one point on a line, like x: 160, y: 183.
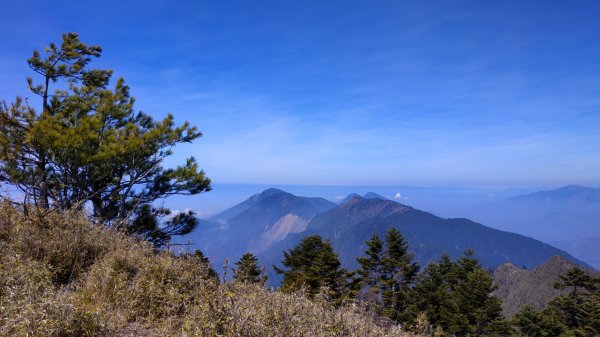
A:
x: 387, y: 276
x: 204, y: 260
x: 370, y: 275
x: 399, y: 272
x: 313, y: 265
x: 248, y: 271
x: 457, y: 297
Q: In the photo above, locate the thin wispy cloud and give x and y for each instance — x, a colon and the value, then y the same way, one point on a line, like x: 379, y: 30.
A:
x: 320, y: 93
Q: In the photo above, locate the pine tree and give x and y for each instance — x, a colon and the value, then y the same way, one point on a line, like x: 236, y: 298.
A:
x: 533, y: 323
x: 204, y: 260
x: 479, y: 313
x: 248, y: 271
x: 86, y: 145
x: 370, y: 274
x: 433, y: 292
x: 398, y: 274
x: 577, y: 280
x: 299, y: 261
x: 328, y: 270
x: 387, y: 276
x: 370, y: 266
x: 457, y: 297
x: 592, y: 311
x: 578, y: 308
x: 313, y: 264
x: 576, y: 313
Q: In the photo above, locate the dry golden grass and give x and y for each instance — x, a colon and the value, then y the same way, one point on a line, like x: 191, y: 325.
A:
x: 63, y: 277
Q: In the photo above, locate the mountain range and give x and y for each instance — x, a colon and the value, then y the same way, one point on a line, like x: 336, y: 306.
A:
x: 270, y: 222
x: 574, y: 194
x: 567, y: 217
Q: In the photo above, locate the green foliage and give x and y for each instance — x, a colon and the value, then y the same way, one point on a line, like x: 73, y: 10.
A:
x: 452, y: 296
x: 398, y: 274
x: 370, y: 271
x: 577, y: 280
x: 456, y: 296
x: 87, y: 146
x: 247, y: 270
x: 576, y: 313
x: 530, y: 322
x: 432, y: 291
x: 387, y: 276
x: 313, y: 265
x: 370, y: 275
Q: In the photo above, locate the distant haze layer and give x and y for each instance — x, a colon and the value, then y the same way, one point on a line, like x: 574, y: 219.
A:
x: 564, y: 217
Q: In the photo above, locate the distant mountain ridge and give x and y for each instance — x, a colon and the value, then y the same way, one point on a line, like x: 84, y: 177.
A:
x: 349, y: 225
x: 368, y: 195
x: 273, y: 221
x: 567, y: 217
x: 518, y: 286
x: 574, y: 193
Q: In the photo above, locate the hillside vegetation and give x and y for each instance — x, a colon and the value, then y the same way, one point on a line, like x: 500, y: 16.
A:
x: 519, y: 287
x: 61, y: 276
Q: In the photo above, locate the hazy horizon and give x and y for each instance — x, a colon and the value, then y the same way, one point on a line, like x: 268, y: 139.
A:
x: 434, y: 199
x: 567, y: 224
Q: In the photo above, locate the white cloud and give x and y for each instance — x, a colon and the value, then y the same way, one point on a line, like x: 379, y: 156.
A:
x: 176, y: 212
x: 398, y: 196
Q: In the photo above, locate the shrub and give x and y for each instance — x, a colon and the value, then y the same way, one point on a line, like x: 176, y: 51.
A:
x: 62, y: 276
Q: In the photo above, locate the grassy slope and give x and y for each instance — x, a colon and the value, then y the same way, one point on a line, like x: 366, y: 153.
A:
x: 62, y: 277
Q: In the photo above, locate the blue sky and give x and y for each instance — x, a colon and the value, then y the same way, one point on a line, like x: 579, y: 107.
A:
x: 451, y: 93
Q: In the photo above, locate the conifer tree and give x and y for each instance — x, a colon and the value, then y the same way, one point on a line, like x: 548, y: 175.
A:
x: 533, y: 323
x: 591, y: 308
x: 578, y: 281
x: 313, y: 264
x: 578, y: 308
x: 370, y: 274
x: 328, y: 270
x: 86, y: 145
x: 479, y: 313
x: 433, y: 292
x: 399, y: 272
x: 204, y: 259
x: 299, y: 261
x: 248, y: 271
x: 387, y: 275
x: 576, y: 313
x: 457, y: 297
x: 370, y: 266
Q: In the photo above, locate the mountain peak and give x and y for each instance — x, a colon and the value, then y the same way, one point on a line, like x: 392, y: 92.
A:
x: 245, y: 205
x: 271, y: 191
x: 371, y: 207
x: 373, y: 195
x: 350, y: 197
x: 557, y: 261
